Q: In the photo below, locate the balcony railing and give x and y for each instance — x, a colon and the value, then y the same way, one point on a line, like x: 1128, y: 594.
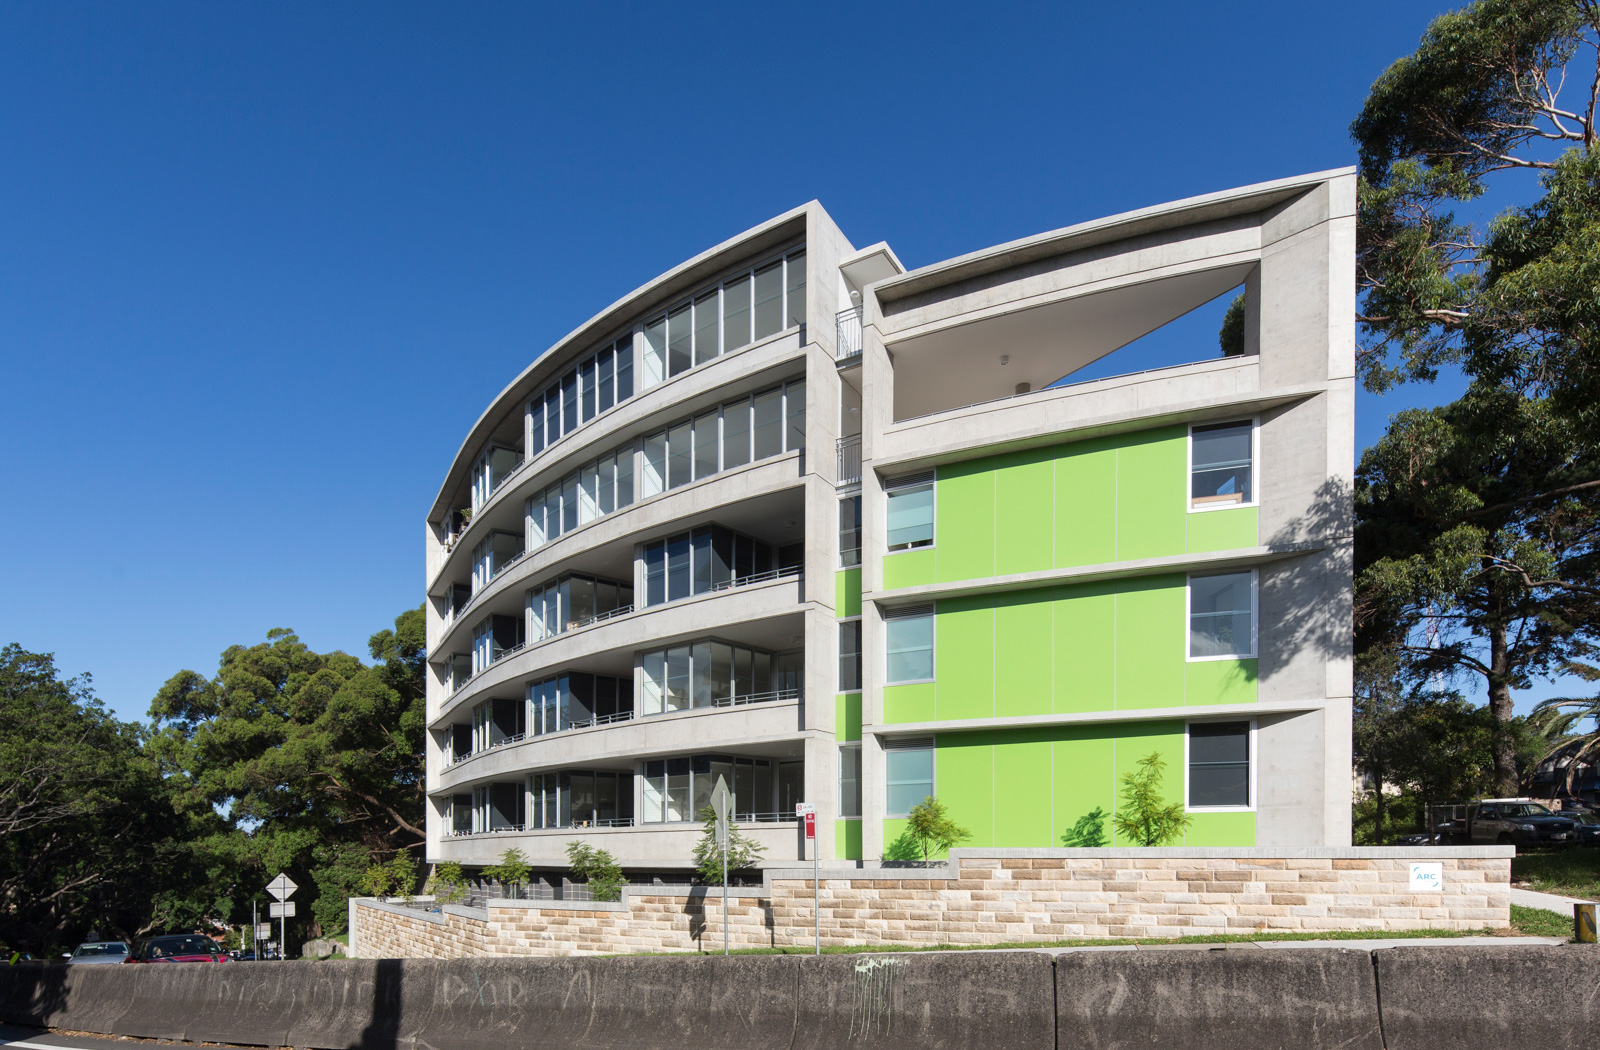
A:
x: 849, y: 469
x: 756, y: 698
x: 599, y: 720
x: 621, y: 610
x: 847, y: 328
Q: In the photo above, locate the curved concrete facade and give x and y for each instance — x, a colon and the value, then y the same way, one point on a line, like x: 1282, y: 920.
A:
x: 644, y: 571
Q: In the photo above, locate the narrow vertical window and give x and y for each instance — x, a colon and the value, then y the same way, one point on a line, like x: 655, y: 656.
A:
x: 1219, y: 764
x: 655, y: 573
x: 736, y: 313
x: 569, y: 402
x: 586, y: 383
x: 795, y: 289
x: 552, y: 415
x: 1221, y: 465
x: 910, y: 516
x: 535, y: 427
x: 624, y: 458
x: 850, y: 780
x: 653, y: 366
x: 794, y: 397
x: 769, y: 300
x: 652, y: 683
x: 849, y: 656
x: 679, y: 458
x: 909, y: 637
x: 735, y: 434
x: 680, y: 340
x: 768, y: 428
x: 850, y: 532
x: 653, y: 467
x: 707, y: 341
x: 705, y: 445
x: 624, y: 357
x: 1222, y: 615
x: 606, y: 368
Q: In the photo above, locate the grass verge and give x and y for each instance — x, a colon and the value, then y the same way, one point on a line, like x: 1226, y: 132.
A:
x: 1571, y: 872
x: 1536, y: 922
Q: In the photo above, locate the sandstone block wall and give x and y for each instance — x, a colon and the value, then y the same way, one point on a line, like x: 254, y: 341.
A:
x: 1007, y: 896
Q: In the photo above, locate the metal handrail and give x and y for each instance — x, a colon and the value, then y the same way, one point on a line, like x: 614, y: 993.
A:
x: 849, y: 457
x: 598, y: 720
x: 757, y: 577
x: 621, y: 610
x: 847, y: 329
x: 756, y: 698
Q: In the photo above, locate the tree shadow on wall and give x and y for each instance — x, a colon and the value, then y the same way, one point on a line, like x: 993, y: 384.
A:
x: 1088, y: 831
x: 1311, y: 612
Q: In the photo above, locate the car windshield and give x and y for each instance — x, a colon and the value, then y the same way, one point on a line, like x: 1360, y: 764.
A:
x: 1581, y: 817
x: 1523, y: 809
x: 107, y: 948
x: 166, y: 947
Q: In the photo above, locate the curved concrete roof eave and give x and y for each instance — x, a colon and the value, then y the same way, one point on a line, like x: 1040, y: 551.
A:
x: 686, y: 273
x: 1241, y: 200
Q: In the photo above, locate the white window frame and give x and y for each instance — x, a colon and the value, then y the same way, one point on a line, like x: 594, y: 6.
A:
x: 917, y: 744
x: 861, y: 659
x: 906, y: 613
x: 1255, y: 617
x: 891, y: 487
x: 1254, y: 759
x: 1255, y: 466
x: 861, y: 799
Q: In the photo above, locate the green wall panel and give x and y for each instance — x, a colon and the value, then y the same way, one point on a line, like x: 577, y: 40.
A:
x: 964, y: 527
x: 1132, y: 743
x: 1085, y: 782
x: 1150, y: 493
x: 907, y: 569
x: 1220, y: 682
x: 1085, y: 503
x: 1222, y: 829
x: 847, y: 716
x: 908, y: 703
x: 847, y: 840
x: 1023, y: 788
x: 964, y: 658
x: 1024, y: 669
x: 1085, y: 631
x: 1222, y: 530
x: 1024, y: 511
x: 964, y: 780
x: 1150, y: 639
x: 847, y: 593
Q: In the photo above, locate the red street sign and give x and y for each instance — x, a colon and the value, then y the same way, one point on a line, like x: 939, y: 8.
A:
x: 811, y: 825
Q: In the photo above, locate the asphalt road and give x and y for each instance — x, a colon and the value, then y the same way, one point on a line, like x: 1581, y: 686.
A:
x: 14, y: 1037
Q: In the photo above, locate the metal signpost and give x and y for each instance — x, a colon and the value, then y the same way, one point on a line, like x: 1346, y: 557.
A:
x: 282, y: 888
x: 808, y: 813
x: 721, y: 802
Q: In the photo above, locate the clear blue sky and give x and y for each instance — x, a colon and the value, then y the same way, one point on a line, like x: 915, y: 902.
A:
x: 262, y: 264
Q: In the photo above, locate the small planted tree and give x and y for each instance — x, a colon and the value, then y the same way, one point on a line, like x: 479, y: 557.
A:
x: 742, y: 850
x: 929, y: 824
x: 598, y: 868
x: 396, y: 877
x: 1144, y: 817
x: 511, y: 872
x: 448, y: 884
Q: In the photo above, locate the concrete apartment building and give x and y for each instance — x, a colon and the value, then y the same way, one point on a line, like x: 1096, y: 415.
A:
x: 850, y: 535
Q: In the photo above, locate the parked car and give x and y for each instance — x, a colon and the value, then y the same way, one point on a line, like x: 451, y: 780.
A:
x: 1588, y: 823
x: 100, y: 953
x: 188, y: 947
x: 1520, y: 822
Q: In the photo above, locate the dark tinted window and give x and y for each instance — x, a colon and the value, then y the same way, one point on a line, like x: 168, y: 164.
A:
x: 1219, y: 764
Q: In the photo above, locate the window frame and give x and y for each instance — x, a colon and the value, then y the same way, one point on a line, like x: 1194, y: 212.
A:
x: 932, y: 748
x: 1252, y: 759
x: 1255, y: 616
x: 840, y: 688
x: 861, y: 802
x: 933, y: 645
x: 889, y: 489
x: 1255, y: 466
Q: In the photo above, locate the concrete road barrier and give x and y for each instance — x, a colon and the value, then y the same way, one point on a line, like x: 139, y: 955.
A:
x: 1510, y: 998
x: 250, y: 1003
x: 93, y: 998
x: 944, y: 1001
x: 167, y: 998
x: 1238, y: 999
x: 30, y: 994
x: 491, y: 1003
x: 704, y: 1002
x: 348, y: 1003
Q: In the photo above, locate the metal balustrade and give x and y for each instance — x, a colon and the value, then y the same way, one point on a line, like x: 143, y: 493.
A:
x: 849, y: 467
x: 847, y: 329
x: 756, y: 698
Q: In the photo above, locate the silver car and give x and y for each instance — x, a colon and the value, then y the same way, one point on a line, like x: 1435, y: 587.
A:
x: 100, y: 953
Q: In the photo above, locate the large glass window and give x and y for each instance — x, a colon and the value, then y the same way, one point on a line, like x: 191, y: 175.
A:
x: 795, y: 290
x: 849, y: 656
x: 680, y: 340
x: 1222, y: 615
x: 909, y: 776
x: 706, y: 339
x: 768, y: 424
x: 578, y: 700
x: 1221, y: 464
x: 910, y: 646
x: 736, y: 313
x: 706, y: 445
x: 769, y: 300
x: 494, y: 465
x: 1219, y: 764
x: 850, y: 532
x: 677, y: 789
x: 910, y: 516
x: 491, y: 556
x: 732, y: 435
x: 653, y: 365
x: 707, y: 673
x: 582, y: 798
x: 574, y: 600
x: 700, y: 561
x: 850, y: 780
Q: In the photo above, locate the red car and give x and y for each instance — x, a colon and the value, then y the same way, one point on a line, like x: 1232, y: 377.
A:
x: 188, y: 947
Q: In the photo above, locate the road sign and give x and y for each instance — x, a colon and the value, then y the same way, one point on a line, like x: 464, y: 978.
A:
x: 811, y: 825
x: 282, y: 887
x: 281, y: 911
x: 264, y: 930
x: 721, y: 802
x: 802, y: 808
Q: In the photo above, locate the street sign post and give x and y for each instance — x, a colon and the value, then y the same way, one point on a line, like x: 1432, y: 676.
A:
x: 282, y: 888
x: 263, y: 931
x: 808, y: 813
x: 721, y: 802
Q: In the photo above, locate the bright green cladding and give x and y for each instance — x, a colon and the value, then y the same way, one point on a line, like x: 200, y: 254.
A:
x: 1066, y: 506
x: 1106, y: 646
x: 1055, y: 787
x: 847, y: 840
x: 847, y: 716
x: 847, y: 593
